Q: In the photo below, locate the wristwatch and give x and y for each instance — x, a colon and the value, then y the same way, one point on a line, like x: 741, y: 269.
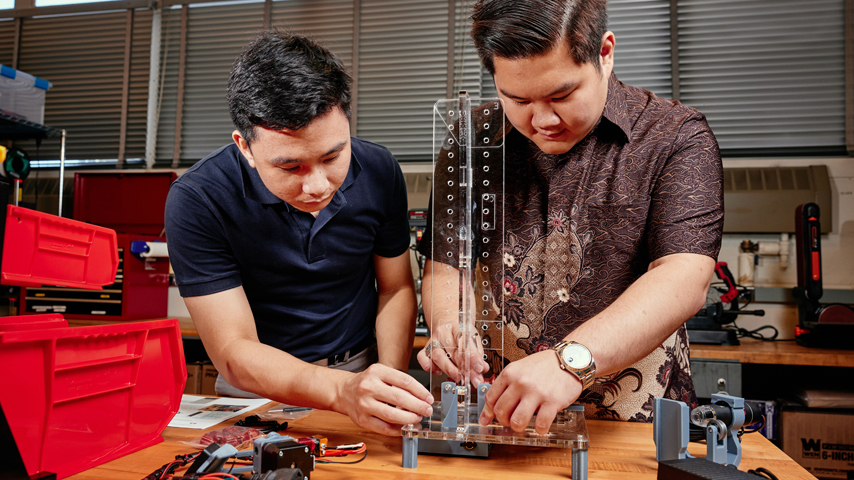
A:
x: 576, y: 359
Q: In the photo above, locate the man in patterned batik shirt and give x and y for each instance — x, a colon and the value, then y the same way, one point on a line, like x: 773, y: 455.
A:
x: 613, y: 221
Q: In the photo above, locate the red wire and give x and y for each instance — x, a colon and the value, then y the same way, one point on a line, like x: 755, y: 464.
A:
x: 218, y: 475
x: 331, y: 452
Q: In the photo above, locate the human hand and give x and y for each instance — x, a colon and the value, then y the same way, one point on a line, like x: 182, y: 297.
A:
x: 382, y: 399
x: 534, y: 384
x: 449, y: 353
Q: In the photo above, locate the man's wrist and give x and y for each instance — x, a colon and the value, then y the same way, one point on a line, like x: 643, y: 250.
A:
x: 576, y: 360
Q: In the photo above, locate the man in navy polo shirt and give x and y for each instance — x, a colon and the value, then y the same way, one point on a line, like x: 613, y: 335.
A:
x: 290, y: 246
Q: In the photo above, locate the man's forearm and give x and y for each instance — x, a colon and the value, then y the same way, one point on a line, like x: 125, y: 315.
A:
x: 277, y: 375
x: 396, y: 313
x: 648, y: 312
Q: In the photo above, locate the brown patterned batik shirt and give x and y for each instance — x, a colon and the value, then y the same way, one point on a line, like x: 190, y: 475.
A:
x: 580, y: 227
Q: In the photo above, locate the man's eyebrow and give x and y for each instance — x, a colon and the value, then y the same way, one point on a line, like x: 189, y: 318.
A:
x: 279, y: 161
x: 566, y: 86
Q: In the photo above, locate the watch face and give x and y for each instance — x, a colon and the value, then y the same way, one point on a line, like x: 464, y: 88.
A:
x: 576, y: 356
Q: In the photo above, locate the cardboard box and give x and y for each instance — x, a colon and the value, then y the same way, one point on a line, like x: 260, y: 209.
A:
x: 208, y: 383
x: 194, y: 379
x: 822, y: 441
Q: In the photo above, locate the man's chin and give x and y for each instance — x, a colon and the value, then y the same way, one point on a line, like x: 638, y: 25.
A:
x: 311, y: 207
x: 551, y: 147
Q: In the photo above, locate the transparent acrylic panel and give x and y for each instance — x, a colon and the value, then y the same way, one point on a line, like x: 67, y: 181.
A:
x: 467, y: 294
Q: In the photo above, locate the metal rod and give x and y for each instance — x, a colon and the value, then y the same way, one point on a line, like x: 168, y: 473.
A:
x: 61, y: 170
x: 153, y: 88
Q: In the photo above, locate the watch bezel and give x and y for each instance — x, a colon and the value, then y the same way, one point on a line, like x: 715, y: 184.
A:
x: 576, y: 346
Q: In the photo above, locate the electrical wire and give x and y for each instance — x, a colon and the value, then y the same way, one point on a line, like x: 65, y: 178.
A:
x: 743, y: 332
x: 171, y: 467
x: 345, y: 463
x: 218, y: 475
x: 763, y: 472
x: 340, y: 452
x: 754, y: 428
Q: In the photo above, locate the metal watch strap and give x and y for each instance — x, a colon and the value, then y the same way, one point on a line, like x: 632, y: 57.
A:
x: 585, y: 375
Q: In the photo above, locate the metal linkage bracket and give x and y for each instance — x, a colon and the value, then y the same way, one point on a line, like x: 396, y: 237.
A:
x: 671, y: 431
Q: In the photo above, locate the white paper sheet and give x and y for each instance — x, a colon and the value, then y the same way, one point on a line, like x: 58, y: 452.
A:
x: 202, y: 412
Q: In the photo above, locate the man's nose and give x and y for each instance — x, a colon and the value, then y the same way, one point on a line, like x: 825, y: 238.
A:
x: 544, y: 117
x: 315, y: 183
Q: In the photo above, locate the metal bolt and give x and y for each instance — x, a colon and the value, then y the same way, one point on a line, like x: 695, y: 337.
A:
x: 447, y: 388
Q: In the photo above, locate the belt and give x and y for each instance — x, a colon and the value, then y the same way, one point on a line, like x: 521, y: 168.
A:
x: 345, y: 355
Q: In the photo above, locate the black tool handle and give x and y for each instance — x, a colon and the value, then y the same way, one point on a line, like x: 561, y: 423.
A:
x: 808, y: 240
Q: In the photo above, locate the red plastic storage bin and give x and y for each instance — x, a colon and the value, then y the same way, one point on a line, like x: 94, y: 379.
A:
x: 35, y: 322
x: 43, y: 249
x: 77, y: 397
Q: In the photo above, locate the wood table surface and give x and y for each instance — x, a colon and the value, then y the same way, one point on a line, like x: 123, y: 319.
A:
x: 618, y: 451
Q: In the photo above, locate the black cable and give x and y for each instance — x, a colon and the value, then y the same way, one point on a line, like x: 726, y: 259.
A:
x: 764, y: 473
x: 743, y: 332
x: 169, y: 468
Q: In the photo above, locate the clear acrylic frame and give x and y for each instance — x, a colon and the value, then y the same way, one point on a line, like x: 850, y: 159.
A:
x: 466, y: 293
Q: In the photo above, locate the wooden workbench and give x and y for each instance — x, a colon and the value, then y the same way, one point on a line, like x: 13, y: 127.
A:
x: 618, y: 451
x: 775, y: 353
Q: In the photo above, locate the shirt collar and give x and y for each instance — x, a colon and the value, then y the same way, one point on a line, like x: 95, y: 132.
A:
x: 616, y: 109
x: 254, y: 188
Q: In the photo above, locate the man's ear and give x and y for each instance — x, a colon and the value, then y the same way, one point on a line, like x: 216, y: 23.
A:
x: 243, y: 145
x: 606, y: 52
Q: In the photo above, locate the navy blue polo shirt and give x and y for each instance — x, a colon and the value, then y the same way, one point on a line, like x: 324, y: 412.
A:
x: 310, y: 281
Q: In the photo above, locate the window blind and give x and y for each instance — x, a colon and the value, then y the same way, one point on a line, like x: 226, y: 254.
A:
x: 403, y: 56
x: 642, y: 52
x: 7, y: 40
x: 216, y: 35
x: 329, y: 22
x: 766, y: 73
x: 86, y: 96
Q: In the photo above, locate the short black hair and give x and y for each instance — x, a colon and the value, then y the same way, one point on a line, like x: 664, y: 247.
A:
x: 284, y: 81
x: 514, y: 29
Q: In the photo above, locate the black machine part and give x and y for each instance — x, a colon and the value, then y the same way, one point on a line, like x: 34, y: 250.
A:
x: 287, y: 454
x: 281, y: 474
x: 723, y: 412
x: 700, y: 469
x: 822, y: 326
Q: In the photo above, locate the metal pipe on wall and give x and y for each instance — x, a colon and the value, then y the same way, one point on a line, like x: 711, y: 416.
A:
x: 153, y: 87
